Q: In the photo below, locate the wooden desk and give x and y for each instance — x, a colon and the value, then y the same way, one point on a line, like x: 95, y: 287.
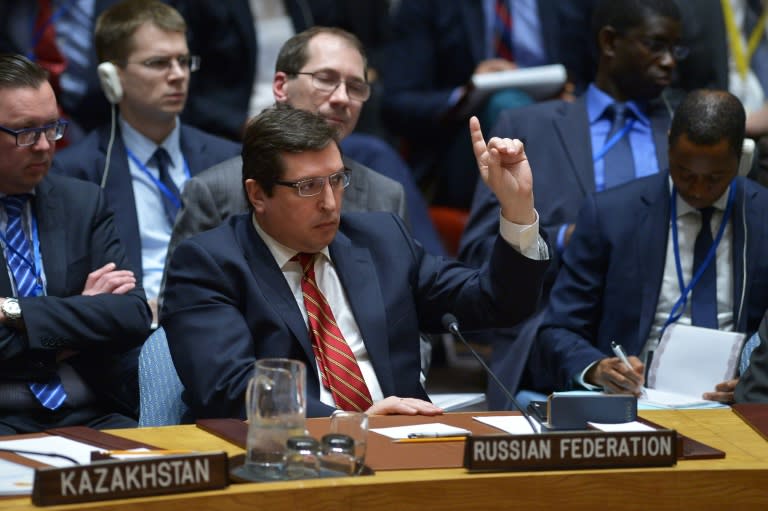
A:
x: 740, y: 481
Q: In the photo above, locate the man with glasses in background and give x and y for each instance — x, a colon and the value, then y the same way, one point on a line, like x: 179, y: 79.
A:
x: 70, y: 306
x: 613, y: 133
x: 321, y: 70
x: 146, y: 68
x: 345, y: 293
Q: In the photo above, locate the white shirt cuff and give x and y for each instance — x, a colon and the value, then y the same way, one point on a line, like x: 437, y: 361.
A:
x: 524, y: 238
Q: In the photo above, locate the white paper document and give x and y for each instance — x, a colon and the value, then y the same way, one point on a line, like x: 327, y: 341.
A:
x: 621, y: 426
x: 16, y: 479
x: 690, y: 361
x: 540, y: 82
x: 456, y: 401
x: 512, y: 424
x: 436, y: 429
x: 654, y: 399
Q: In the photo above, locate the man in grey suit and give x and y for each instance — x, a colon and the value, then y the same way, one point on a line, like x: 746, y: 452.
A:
x: 322, y: 70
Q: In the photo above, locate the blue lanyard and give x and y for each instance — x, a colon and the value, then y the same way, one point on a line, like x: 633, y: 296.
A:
x: 600, y: 174
x: 679, y: 306
x: 160, y: 186
x: 38, y: 34
x: 37, y: 264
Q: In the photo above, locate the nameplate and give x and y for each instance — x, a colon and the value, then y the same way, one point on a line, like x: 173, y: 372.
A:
x: 119, y: 479
x: 571, y: 450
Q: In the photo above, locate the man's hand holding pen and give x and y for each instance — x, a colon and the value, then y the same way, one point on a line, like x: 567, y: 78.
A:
x: 621, y: 374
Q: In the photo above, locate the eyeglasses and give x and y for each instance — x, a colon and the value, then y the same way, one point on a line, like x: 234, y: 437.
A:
x: 312, y: 186
x: 29, y: 136
x: 659, y: 48
x: 164, y: 64
x: 329, y: 81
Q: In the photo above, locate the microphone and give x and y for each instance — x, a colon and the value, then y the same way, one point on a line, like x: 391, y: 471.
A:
x: 451, y: 324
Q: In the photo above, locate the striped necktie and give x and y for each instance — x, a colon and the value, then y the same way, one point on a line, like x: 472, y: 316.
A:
x: 339, y: 371
x: 502, y: 31
x: 51, y: 394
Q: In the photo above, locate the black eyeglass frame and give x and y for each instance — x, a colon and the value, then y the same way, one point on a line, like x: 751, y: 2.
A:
x: 59, y: 127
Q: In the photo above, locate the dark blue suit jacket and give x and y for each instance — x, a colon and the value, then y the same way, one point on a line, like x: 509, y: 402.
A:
x: 77, y: 236
x: 609, y: 284
x: 435, y: 48
x: 227, y: 304
x: 85, y: 160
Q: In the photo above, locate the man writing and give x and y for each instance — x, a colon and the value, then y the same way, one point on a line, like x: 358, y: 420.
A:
x: 298, y: 279
x: 639, y: 258
x: 72, y: 310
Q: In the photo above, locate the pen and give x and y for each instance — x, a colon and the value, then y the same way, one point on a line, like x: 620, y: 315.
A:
x: 430, y: 439
x: 436, y: 435
x: 155, y: 452
x: 619, y: 352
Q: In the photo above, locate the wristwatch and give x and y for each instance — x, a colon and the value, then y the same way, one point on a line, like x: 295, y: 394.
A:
x: 11, y: 309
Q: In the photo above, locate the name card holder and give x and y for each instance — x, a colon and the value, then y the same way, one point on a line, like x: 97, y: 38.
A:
x: 119, y: 479
x: 571, y: 450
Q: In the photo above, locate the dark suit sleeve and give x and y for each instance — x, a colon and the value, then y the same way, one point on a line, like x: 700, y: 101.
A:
x: 753, y: 384
x: 73, y: 321
x: 571, y: 319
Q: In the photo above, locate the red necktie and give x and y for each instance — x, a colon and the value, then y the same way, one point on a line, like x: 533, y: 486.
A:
x: 502, y: 33
x: 339, y: 371
x: 46, y: 51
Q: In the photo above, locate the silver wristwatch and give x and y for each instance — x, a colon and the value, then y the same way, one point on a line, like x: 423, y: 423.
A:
x: 11, y: 309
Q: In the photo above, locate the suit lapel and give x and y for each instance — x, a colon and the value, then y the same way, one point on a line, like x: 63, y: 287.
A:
x: 193, y: 149
x: 272, y: 281
x: 357, y: 199
x: 358, y: 276
x: 746, y: 215
x: 48, y: 209
x: 651, y: 250
x: 660, y: 122
x: 573, y: 129
x: 474, y: 21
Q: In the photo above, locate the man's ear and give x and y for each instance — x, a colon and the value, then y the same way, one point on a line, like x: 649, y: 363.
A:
x: 279, y: 85
x: 606, y: 40
x: 256, y: 195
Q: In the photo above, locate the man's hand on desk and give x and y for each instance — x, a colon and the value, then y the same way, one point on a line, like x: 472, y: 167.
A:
x: 615, y: 377
x: 394, y: 405
x: 723, y: 391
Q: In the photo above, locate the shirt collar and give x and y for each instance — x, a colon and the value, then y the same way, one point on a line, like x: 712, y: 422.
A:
x: 144, y: 148
x: 683, y: 208
x: 598, y: 101
x: 280, y: 252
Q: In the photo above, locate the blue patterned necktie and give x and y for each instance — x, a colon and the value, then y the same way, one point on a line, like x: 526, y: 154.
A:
x: 18, y: 253
x: 704, y: 299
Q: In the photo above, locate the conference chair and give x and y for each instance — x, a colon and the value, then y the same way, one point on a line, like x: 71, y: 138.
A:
x: 160, y: 388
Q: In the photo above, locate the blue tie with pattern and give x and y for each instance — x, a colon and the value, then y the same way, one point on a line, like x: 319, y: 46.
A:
x: 51, y: 394
x: 619, y: 163
x: 172, y: 199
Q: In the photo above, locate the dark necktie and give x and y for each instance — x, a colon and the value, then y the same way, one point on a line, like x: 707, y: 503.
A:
x: 339, y: 370
x: 502, y: 31
x: 18, y: 253
x: 171, y: 196
x: 618, y: 162
x: 704, y: 299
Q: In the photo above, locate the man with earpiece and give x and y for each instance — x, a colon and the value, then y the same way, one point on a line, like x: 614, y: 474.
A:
x: 629, y: 271
x: 144, y: 158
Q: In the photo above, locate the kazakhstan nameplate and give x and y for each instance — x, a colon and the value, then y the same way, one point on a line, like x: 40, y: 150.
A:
x: 571, y: 450
x: 119, y: 479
